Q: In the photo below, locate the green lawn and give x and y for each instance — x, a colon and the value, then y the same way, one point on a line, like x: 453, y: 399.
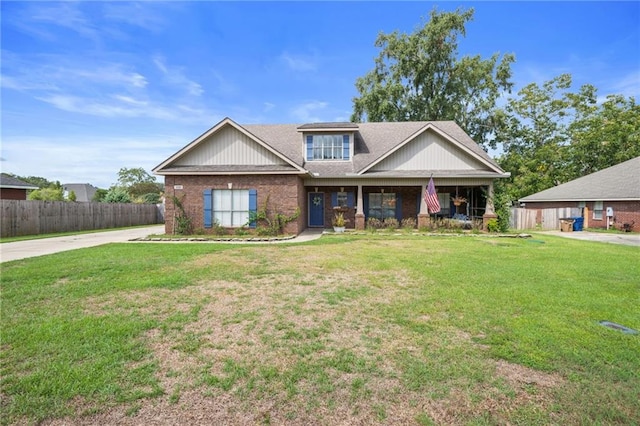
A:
x: 346, y: 329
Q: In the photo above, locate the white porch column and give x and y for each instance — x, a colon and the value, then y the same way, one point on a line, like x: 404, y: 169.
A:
x: 423, y: 203
x: 489, y: 209
x: 360, y: 208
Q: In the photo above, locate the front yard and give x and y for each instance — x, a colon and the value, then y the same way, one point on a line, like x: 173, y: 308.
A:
x: 347, y: 329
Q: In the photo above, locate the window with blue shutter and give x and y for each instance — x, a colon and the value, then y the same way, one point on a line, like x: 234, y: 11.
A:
x: 309, y: 147
x: 253, y: 206
x: 208, y: 208
x: 399, y: 207
x: 345, y: 147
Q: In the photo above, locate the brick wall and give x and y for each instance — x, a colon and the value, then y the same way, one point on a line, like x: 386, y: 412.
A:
x: 623, y: 212
x: 13, y: 194
x: 285, y: 194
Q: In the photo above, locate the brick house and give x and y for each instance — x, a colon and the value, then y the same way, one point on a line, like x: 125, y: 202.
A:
x: 611, y: 195
x: 360, y: 169
x: 14, y: 189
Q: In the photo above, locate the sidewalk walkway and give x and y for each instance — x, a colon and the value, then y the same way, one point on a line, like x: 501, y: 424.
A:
x: 31, y: 248
x: 628, y: 239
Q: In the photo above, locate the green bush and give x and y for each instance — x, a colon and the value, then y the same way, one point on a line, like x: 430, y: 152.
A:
x: 493, y: 226
x: 117, y: 195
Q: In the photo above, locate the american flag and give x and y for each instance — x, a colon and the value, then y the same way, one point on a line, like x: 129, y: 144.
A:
x: 431, y: 198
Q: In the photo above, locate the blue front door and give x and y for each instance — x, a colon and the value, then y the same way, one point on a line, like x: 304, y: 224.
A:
x: 316, y: 209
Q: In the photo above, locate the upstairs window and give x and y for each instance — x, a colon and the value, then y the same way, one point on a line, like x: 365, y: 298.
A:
x: 327, y: 147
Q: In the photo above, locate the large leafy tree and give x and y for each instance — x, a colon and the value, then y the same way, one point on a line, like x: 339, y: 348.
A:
x: 551, y: 135
x: 138, y: 183
x: 420, y: 76
x: 605, y: 136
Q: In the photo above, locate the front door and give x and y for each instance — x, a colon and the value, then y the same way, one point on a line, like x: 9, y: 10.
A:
x: 316, y: 209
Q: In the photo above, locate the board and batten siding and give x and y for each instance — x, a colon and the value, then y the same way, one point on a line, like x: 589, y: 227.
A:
x: 313, y: 182
x: 229, y: 146
x: 429, y: 151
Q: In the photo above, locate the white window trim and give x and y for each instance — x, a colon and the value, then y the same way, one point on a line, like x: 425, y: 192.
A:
x: 598, y: 213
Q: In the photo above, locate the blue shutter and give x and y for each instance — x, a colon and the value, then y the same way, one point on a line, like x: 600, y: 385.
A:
x: 350, y: 199
x: 365, y: 205
x: 345, y: 147
x: 208, y: 208
x: 309, y: 147
x: 253, y: 207
x: 399, y: 207
x: 334, y: 199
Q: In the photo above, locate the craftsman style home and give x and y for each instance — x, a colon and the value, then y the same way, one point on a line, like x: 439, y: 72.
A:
x: 363, y: 170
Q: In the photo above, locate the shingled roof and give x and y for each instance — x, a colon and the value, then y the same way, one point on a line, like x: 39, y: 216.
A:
x: 10, y: 182
x: 616, y: 183
x: 373, y: 142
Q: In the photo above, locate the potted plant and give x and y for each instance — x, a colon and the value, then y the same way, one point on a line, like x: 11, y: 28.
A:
x: 339, y: 222
x: 458, y: 200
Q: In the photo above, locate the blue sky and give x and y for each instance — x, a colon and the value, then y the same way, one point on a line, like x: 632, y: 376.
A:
x: 90, y: 87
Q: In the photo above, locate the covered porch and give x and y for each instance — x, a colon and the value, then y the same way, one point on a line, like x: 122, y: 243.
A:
x: 460, y: 199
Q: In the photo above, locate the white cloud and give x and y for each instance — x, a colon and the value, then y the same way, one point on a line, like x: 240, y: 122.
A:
x: 307, y: 112
x: 135, y: 14
x: 175, y: 77
x: 628, y: 85
x: 87, y: 158
x: 298, y: 62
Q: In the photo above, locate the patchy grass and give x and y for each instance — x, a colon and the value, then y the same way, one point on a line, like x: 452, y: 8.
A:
x: 346, y: 329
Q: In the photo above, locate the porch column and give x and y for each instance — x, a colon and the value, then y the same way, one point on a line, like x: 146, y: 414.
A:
x: 423, y: 214
x: 360, y: 210
x: 489, y: 213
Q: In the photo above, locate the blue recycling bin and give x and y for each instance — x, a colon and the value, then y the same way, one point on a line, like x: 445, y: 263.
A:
x: 578, y: 223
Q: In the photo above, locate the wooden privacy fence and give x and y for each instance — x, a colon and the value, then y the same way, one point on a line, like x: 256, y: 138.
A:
x: 46, y: 217
x: 540, y: 218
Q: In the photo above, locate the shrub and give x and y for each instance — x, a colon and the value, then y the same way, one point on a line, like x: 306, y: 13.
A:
x: 408, y: 223
x: 390, y: 223
x: 374, y: 223
x: 117, y: 195
x: 218, y: 229
x: 182, y: 222
x: 493, y: 226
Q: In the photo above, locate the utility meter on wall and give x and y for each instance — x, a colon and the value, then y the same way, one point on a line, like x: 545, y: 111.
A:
x: 609, y: 211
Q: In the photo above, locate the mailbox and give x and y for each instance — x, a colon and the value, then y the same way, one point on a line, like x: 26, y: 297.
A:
x: 609, y: 211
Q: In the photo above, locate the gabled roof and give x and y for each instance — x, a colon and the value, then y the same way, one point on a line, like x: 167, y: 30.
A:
x: 616, y: 183
x: 167, y: 167
x: 9, y: 182
x: 373, y: 143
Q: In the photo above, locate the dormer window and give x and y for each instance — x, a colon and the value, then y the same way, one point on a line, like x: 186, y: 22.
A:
x: 328, y: 141
x: 327, y: 147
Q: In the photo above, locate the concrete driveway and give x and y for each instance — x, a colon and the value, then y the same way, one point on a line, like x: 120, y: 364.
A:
x: 32, y: 248
x: 629, y: 239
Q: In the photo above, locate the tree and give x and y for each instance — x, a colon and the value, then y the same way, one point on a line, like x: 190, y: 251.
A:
x: 534, y: 132
x: 605, y: 136
x: 99, y: 196
x: 419, y: 77
x: 117, y: 195
x: 72, y: 196
x: 47, y: 194
x: 138, y: 182
x: 38, y: 181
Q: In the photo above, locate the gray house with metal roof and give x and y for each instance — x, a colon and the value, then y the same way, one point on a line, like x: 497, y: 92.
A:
x: 363, y: 170
x: 608, y: 197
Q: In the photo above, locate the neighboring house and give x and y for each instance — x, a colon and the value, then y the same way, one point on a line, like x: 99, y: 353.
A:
x: 84, y: 191
x: 612, y: 193
x: 14, y: 189
x: 364, y: 170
